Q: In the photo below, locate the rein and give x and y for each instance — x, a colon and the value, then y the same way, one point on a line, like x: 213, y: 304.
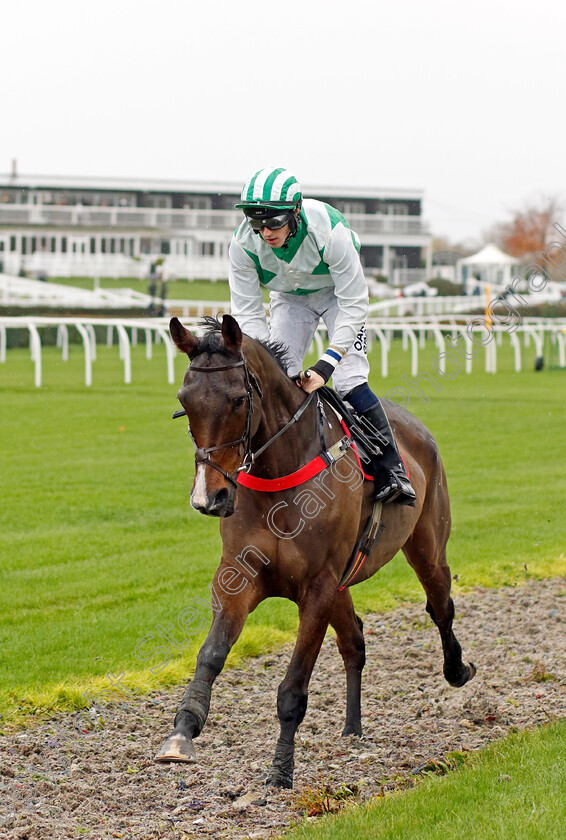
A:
x: 327, y: 457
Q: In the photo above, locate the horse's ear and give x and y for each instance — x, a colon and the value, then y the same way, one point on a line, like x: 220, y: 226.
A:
x: 183, y: 338
x: 231, y: 333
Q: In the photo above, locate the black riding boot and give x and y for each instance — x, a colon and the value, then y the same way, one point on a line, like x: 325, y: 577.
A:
x: 390, y: 475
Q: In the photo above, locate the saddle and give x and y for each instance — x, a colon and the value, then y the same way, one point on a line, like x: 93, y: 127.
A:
x: 366, y: 448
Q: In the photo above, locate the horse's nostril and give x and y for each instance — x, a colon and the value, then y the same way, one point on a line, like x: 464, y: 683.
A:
x: 220, y: 498
x: 221, y: 504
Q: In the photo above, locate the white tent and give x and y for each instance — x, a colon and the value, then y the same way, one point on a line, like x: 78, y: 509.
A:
x: 490, y: 266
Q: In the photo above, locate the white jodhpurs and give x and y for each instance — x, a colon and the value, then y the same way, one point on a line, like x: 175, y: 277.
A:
x: 294, y: 319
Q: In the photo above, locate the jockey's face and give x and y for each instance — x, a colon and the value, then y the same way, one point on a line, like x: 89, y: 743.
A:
x: 275, y: 238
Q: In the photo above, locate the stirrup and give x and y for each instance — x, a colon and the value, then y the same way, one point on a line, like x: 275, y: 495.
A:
x: 399, y: 489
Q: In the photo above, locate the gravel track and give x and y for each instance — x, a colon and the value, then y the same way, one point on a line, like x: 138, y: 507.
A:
x: 58, y: 782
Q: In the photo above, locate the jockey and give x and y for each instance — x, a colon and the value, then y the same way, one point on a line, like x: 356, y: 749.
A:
x: 305, y: 253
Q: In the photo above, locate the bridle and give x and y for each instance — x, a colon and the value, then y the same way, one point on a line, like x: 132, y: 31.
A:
x: 202, y: 455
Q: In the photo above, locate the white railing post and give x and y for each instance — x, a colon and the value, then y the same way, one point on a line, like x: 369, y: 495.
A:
x: 88, y: 360
x: 561, y: 354
x: 516, y: 344
x: 125, y: 353
x: 171, y: 350
x: 92, y: 337
x: 441, y: 346
x: 148, y: 343
x: 318, y: 342
x: 414, y: 349
x: 35, y: 345
x: 63, y: 340
x: 384, y: 349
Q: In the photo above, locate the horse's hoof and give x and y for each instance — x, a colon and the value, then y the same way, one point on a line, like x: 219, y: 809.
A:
x: 352, y: 730
x: 279, y: 780
x: 177, y: 748
x: 469, y: 673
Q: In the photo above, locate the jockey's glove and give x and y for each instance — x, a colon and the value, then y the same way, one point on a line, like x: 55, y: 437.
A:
x: 324, y: 369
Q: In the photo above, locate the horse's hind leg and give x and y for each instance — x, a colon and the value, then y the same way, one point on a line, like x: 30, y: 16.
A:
x: 351, y: 644
x: 426, y: 552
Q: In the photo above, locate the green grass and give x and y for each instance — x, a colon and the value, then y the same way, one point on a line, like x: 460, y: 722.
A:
x: 180, y: 289
x: 512, y: 790
x: 99, y: 545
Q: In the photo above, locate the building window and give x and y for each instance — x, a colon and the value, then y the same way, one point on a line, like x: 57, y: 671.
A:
x: 112, y: 246
x: 396, y: 208
x: 33, y: 245
x: 353, y: 207
x: 12, y: 243
x: 103, y: 245
x: 122, y: 246
x: 24, y: 244
x: 132, y: 243
x: 63, y: 244
x: 92, y: 245
x: 207, y: 249
x: 165, y: 246
x: 158, y: 202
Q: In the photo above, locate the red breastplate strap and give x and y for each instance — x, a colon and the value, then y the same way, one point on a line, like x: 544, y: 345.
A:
x: 304, y: 474
x: 272, y: 485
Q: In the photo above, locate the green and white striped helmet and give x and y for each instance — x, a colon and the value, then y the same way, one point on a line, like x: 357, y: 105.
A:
x: 271, y: 188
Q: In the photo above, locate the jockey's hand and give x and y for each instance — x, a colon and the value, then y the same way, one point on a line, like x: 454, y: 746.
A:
x: 310, y: 381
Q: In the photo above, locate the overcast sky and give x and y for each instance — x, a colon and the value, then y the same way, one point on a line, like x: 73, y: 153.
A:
x: 463, y: 101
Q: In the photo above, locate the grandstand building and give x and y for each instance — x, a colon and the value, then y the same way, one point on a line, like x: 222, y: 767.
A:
x: 60, y: 226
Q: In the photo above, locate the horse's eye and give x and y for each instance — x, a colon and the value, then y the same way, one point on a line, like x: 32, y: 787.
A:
x: 238, y: 401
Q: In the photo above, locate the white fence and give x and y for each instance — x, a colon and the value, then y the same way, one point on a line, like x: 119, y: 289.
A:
x: 127, y: 331
x: 424, y: 306
x: 457, y: 343
x: 21, y: 292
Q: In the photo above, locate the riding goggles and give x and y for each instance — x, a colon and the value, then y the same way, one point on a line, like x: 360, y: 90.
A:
x: 270, y: 222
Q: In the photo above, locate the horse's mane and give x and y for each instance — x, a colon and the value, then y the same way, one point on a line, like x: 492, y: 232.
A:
x: 212, y: 342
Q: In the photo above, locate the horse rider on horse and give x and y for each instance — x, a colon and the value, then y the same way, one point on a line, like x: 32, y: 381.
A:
x: 305, y: 253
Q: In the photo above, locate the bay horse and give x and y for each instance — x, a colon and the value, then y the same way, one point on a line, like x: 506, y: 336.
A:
x: 285, y: 534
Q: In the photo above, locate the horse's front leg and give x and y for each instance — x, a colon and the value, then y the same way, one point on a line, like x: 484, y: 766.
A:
x: 226, y: 627
x: 314, y: 615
